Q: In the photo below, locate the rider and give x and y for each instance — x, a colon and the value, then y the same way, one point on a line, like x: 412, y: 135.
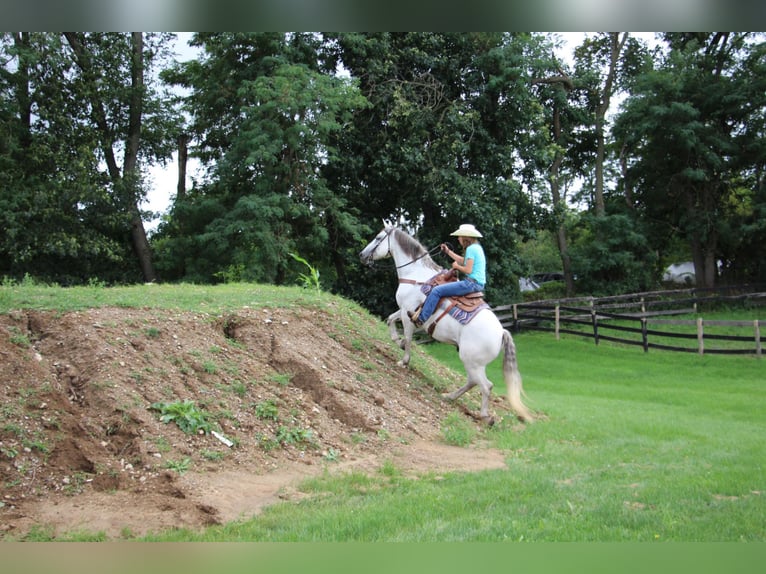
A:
x: 473, y: 265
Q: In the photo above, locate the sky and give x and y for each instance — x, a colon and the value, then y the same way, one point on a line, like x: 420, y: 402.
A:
x: 163, y: 180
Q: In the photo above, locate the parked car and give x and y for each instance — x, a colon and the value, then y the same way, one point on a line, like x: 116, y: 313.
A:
x: 533, y: 283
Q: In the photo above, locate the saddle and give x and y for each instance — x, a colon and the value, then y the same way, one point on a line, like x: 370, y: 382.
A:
x: 461, y: 307
x: 467, y: 303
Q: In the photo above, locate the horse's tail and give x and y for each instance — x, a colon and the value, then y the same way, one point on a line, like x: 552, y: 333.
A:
x: 513, y: 379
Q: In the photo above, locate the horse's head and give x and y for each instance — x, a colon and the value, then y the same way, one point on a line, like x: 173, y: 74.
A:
x: 379, y: 247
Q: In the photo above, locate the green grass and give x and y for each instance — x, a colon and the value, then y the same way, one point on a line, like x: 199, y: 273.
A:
x: 184, y: 297
x: 633, y: 446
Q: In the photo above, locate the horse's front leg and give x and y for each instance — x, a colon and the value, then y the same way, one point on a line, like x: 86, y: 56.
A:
x: 392, y: 330
x: 408, y: 328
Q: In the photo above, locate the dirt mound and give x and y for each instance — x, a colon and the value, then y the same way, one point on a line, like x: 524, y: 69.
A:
x: 289, y: 392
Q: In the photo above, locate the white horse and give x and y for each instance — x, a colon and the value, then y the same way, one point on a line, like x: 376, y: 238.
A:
x: 479, y: 342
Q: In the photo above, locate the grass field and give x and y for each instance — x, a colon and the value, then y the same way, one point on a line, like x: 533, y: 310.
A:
x: 632, y: 446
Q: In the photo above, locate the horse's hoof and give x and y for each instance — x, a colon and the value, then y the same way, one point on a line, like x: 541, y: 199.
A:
x: 448, y: 397
x: 489, y: 420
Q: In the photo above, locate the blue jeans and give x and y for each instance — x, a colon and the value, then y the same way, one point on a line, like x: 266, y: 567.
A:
x: 463, y: 287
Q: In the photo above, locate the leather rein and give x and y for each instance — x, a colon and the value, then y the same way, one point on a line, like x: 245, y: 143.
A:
x: 432, y: 251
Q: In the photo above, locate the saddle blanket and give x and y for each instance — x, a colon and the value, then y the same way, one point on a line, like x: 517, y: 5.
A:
x: 463, y: 316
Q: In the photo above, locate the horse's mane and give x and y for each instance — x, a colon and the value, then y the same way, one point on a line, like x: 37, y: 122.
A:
x: 414, y: 249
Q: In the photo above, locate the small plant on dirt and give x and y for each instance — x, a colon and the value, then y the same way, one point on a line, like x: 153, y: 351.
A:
x: 8, y: 451
x: 152, y: 332
x: 282, y: 379
x: 180, y: 466
x: 213, y: 455
x: 332, y: 455
x: 389, y: 469
x: 239, y: 388
x: 293, y: 435
x: 309, y: 280
x: 266, y: 443
x: 457, y: 431
x: 161, y: 444
x: 266, y: 410
x: 74, y: 484
x: 210, y: 367
x: 19, y: 339
x: 187, y: 415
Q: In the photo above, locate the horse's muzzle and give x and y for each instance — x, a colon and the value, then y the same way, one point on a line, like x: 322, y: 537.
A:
x: 366, y: 259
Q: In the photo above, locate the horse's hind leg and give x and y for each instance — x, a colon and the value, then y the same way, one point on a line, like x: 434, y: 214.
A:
x: 460, y: 392
x: 476, y: 376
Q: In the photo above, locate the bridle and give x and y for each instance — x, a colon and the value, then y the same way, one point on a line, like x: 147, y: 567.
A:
x: 387, y: 236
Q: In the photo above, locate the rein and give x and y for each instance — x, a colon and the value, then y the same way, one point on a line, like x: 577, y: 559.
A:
x: 432, y: 251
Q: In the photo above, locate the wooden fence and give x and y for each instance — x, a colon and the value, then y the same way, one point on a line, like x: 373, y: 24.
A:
x: 641, y: 319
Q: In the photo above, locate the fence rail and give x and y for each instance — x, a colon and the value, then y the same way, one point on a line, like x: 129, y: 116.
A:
x: 637, y: 319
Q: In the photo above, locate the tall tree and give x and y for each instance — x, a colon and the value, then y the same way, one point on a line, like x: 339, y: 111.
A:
x: 264, y: 114
x: 553, y: 86
x: 94, y: 57
x: 686, y: 127
x: 70, y: 103
x: 601, y: 55
x: 450, y: 129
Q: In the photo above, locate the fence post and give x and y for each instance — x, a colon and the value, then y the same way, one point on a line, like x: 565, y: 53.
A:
x: 515, y: 312
x: 644, y: 335
x: 758, y: 347
x: 700, y: 336
x: 557, y: 322
x: 594, y: 319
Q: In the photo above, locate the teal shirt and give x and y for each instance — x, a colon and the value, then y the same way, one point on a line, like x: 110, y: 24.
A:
x: 479, y: 273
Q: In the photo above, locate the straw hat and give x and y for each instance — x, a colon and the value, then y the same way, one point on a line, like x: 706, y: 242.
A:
x: 466, y: 230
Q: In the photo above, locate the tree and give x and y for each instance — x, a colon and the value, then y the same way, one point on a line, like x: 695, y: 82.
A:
x: 71, y: 102
x: 264, y: 113
x: 691, y: 130
x: 451, y: 126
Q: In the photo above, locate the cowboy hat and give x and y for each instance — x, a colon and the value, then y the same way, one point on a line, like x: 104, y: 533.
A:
x: 466, y: 230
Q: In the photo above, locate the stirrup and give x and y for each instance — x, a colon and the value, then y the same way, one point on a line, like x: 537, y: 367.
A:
x: 413, y: 315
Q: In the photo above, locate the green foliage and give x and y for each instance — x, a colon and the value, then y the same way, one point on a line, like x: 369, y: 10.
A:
x: 431, y: 129
x: 610, y: 255
x: 267, y: 141
x: 68, y: 108
x: 186, y: 414
x: 179, y: 466
x: 690, y: 139
x: 293, y: 435
x: 310, y: 280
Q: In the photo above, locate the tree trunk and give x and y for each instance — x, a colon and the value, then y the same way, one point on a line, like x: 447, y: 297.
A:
x: 615, y: 48
x: 183, y: 155
x: 130, y: 167
x: 127, y: 180
x: 559, y: 202
x: 21, y: 42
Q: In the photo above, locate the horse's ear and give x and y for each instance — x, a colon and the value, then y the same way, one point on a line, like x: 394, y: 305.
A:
x: 387, y: 223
